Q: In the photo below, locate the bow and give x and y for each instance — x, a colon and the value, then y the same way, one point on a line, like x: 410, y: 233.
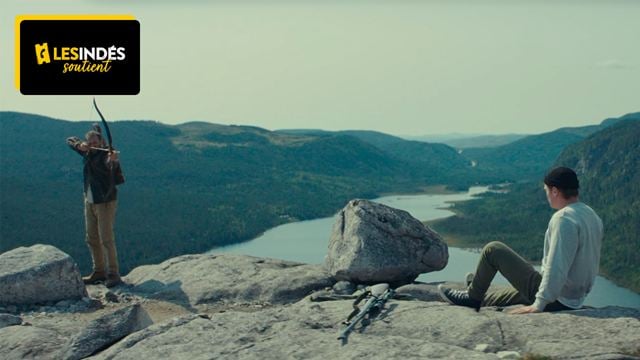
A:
x: 106, y: 126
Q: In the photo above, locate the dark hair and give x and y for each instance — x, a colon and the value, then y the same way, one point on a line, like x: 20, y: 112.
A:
x: 563, y: 179
x: 95, y: 130
x: 91, y: 133
x: 568, y: 193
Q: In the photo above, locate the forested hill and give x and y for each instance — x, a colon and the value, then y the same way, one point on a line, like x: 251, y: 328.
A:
x: 199, y: 185
x: 608, y: 165
x: 193, y: 186
x: 527, y: 158
x: 609, y: 168
x: 439, y: 162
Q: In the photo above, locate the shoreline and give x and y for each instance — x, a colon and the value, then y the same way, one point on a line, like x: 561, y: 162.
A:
x: 426, y: 190
x: 317, y: 232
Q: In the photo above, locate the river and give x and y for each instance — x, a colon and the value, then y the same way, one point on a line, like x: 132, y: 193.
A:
x: 307, y: 241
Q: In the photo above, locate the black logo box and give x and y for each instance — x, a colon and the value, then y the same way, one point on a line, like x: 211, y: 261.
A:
x: 48, y: 79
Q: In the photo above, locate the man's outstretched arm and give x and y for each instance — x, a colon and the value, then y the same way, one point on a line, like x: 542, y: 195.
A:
x: 77, y: 145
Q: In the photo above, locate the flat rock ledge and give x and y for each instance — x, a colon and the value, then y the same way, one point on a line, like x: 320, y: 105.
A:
x: 210, y: 278
x: 212, y: 306
x: 405, y: 329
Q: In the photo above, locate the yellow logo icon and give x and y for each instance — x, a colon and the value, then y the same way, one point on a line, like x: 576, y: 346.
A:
x: 42, y: 53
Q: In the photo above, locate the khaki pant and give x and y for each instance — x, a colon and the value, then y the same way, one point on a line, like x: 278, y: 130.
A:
x: 99, y: 219
x: 524, y: 279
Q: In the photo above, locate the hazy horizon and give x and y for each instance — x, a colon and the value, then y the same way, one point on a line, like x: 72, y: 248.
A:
x: 434, y: 137
x: 405, y: 68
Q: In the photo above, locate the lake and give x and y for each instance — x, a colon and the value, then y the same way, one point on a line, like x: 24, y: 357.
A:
x: 307, y: 241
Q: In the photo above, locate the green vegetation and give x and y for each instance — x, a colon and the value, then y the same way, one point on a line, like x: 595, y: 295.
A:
x: 197, y: 186
x: 434, y: 163
x: 499, y: 216
x: 529, y: 157
x: 189, y: 187
x: 608, y: 164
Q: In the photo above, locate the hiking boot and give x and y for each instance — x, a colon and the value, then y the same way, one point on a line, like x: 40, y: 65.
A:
x: 468, y: 279
x: 94, y: 278
x: 458, y: 297
x: 113, y: 280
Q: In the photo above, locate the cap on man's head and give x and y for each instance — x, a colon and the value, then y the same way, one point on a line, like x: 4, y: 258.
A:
x: 95, y: 130
x: 91, y: 133
x: 562, y: 178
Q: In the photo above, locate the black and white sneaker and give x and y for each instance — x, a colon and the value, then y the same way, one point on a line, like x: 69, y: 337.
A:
x: 458, y: 297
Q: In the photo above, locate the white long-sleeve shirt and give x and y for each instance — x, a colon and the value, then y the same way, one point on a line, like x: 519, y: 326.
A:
x: 571, y: 256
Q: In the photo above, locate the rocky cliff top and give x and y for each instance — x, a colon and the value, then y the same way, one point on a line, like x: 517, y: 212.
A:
x: 233, y: 306
x: 211, y: 306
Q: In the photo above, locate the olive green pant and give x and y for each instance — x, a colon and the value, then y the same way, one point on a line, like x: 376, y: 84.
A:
x: 524, y: 279
x: 99, y: 220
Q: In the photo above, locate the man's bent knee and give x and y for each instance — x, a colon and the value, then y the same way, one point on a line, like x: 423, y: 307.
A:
x: 493, y: 246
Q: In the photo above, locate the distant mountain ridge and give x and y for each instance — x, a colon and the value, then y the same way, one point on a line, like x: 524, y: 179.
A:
x: 462, y: 141
x: 428, y: 160
x: 485, y: 141
x: 529, y: 157
x: 525, y: 158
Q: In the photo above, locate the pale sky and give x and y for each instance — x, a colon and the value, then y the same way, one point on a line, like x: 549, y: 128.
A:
x: 402, y: 67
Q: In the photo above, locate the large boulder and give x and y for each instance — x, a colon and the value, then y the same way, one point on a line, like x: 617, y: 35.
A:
x: 211, y: 278
x: 404, y: 329
x: 38, y: 274
x: 373, y: 243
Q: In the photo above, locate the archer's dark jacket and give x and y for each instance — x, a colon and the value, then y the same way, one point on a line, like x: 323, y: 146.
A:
x: 98, y: 173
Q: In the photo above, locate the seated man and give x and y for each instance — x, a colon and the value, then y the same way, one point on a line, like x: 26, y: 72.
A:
x: 569, y: 264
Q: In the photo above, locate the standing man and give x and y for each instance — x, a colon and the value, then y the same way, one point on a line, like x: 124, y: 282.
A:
x: 101, y: 175
x: 569, y: 265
